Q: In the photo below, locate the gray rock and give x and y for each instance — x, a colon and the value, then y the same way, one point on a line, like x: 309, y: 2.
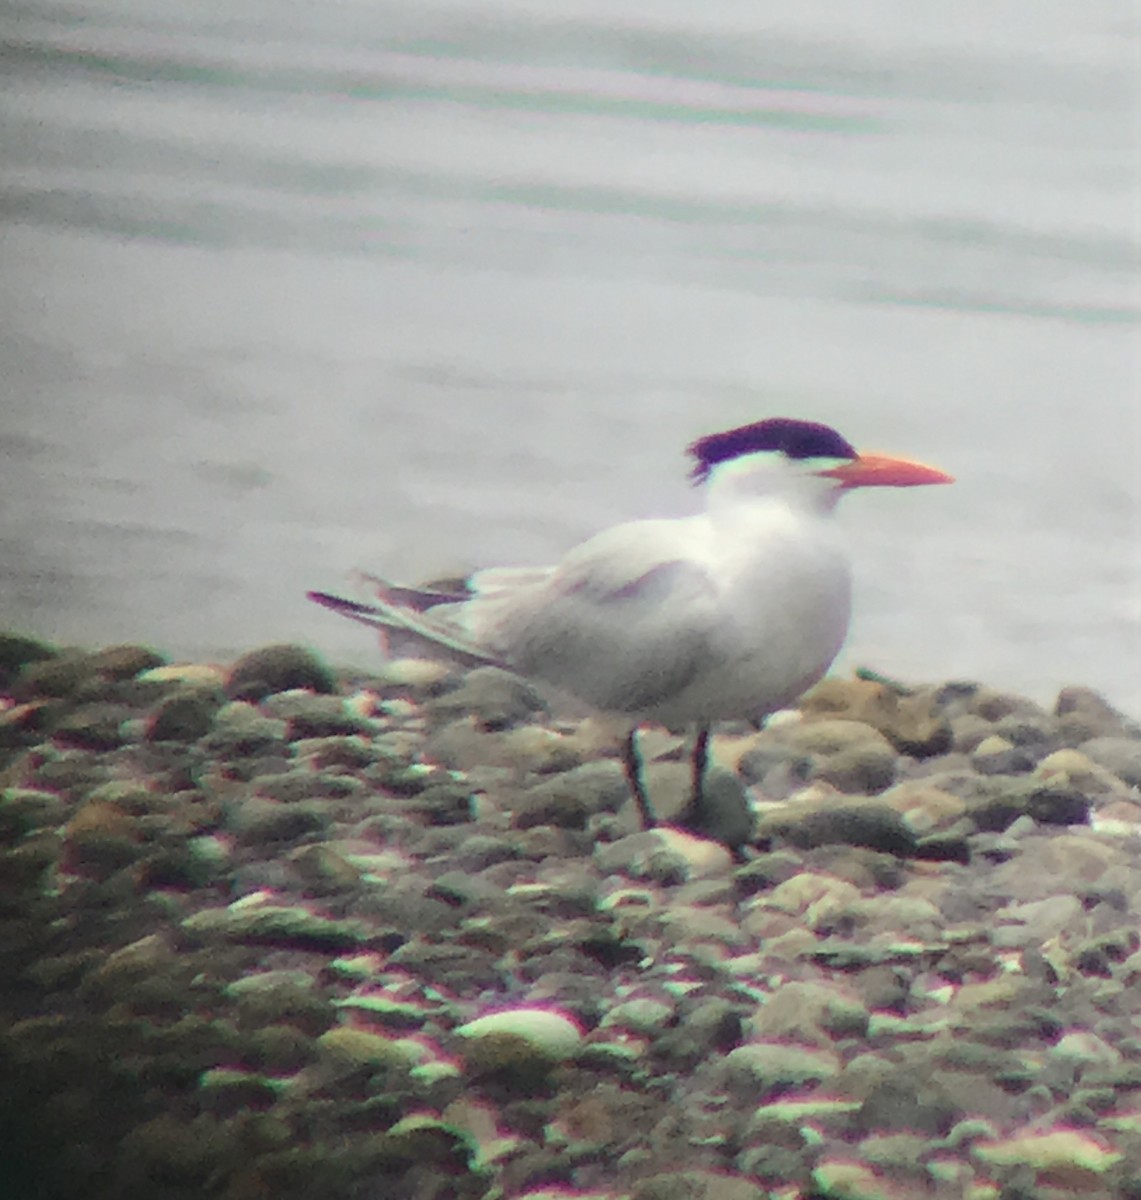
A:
x: 766, y: 871
x: 553, y: 802
x: 498, y: 698
x: 876, y: 826
x: 290, y: 786
x: 809, y: 1013
x: 227, y: 1092
x: 596, y: 787
x: 183, y: 864
x: 461, y: 890
x: 275, y: 925
x: 1015, y: 761
x: 1083, y: 710
x: 282, y: 996
x: 256, y: 821
x: 697, y: 1185
x: 447, y: 803
x: 723, y: 812
x: 25, y: 809
x: 311, y: 716
x: 479, y: 851
x: 184, y: 716
x: 763, y: 1068
x: 908, y: 1101
x: 324, y: 871
x: 951, y: 845
x: 1058, y: 806
x: 351, y: 752
x: 1119, y: 755
x: 642, y: 856
x: 765, y: 756
x: 279, y: 668
x: 865, y: 770
x: 93, y: 727
x: 240, y: 729
x: 1039, y: 734
x: 1016, y: 798
x: 56, y: 677
x: 711, y: 1025
x: 124, y: 662
x: 18, y: 651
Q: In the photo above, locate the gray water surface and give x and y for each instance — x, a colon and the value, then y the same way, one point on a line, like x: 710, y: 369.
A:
x: 293, y: 289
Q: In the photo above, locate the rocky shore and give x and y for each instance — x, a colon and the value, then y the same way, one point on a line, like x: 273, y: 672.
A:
x: 276, y: 931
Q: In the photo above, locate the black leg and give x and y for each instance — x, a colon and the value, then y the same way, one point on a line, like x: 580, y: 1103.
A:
x: 633, y: 764
x: 700, y: 761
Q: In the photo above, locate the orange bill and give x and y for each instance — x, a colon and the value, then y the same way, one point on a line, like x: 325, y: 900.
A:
x: 881, y: 470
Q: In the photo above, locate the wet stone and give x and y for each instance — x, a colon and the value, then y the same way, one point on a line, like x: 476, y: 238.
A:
x: 1121, y: 756
x: 876, y: 826
x: 256, y: 821
x: 279, y: 668
x: 1013, y: 760
x: 550, y: 803
x: 17, y: 651
x: 723, y: 813
x: 282, y: 996
x: 56, y: 677
x: 101, y: 838
x: 346, y: 752
x: 907, y: 1102
x: 479, y: 851
x: 1088, y: 710
x: 642, y: 856
x: 865, y: 770
x: 279, y: 941
x: 498, y: 698
x: 124, y: 662
x: 276, y: 925
x: 766, y: 871
x: 293, y: 785
x: 323, y: 871
x: 313, y: 716
x: 240, y: 729
x: 93, y: 727
x: 184, y: 716
x: 1058, y: 806
x: 444, y: 803
x: 697, y: 1185
x: 25, y: 809
x: 913, y: 724
x: 767, y: 1068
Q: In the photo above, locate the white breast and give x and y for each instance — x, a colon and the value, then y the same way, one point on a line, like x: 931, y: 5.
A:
x: 783, y: 607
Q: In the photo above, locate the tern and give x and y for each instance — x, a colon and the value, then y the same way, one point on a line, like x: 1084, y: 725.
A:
x: 730, y: 613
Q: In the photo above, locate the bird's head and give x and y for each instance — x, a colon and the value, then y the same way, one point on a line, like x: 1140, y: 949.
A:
x: 781, y: 455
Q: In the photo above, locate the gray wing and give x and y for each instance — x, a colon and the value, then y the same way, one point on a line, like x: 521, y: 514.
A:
x: 625, y: 644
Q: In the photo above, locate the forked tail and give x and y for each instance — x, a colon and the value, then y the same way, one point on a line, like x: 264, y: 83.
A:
x: 384, y: 615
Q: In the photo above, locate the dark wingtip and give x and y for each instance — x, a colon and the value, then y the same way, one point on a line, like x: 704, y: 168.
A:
x: 796, y: 439
x: 338, y: 603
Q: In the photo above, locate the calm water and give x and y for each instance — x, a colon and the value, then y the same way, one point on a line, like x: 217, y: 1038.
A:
x: 290, y: 289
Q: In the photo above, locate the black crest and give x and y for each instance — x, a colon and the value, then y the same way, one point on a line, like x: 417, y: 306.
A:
x: 796, y: 439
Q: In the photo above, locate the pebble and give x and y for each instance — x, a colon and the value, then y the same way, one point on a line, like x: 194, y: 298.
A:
x: 279, y: 668
x: 762, y: 1069
x: 1118, y: 755
x: 877, y: 826
x: 401, y: 927
x: 496, y: 697
x: 912, y: 723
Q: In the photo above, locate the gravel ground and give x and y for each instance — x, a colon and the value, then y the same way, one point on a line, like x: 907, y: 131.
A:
x: 274, y: 931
